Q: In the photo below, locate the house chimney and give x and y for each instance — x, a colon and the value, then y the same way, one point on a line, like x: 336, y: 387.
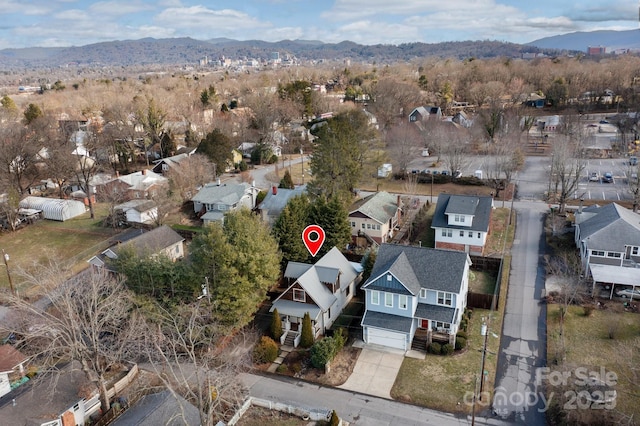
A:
x: 253, y: 183
x: 218, y: 182
x: 580, y: 205
x: 144, y: 172
x: 398, y: 201
x: 274, y: 190
x: 117, y: 174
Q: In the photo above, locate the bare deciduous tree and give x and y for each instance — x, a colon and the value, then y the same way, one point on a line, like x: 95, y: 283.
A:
x: 566, y: 170
x: 189, y: 174
x: 89, y: 319
x: 194, y: 358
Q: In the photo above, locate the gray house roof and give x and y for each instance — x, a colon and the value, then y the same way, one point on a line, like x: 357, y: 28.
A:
x: 436, y: 312
x: 380, y: 206
x: 478, y: 206
x: 611, y: 229
x: 273, y: 204
x: 152, y: 242
x: 228, y: 194
x: 387, y: 321
x: 420, y: 267
x: 160, y: 409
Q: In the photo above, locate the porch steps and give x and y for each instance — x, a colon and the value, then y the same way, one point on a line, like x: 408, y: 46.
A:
x: 289, y: 340
x: 419, y: 342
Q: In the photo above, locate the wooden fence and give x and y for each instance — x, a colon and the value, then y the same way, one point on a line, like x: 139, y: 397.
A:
x: 480, y: 300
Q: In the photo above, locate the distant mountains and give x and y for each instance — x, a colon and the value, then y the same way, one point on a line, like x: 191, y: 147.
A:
x: 612, y: 40
x: 182, y: 51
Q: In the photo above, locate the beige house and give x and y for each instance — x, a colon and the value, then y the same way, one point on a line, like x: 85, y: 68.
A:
x: 374, y: 218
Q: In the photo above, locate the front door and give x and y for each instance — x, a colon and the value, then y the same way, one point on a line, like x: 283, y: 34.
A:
x: 424, y: 323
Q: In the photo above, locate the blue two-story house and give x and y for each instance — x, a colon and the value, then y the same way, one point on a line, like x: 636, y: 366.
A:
x: 415, y: 289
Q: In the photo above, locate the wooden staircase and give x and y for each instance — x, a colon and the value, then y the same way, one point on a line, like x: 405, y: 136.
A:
x: 289, y: 340
x: 419, y: 342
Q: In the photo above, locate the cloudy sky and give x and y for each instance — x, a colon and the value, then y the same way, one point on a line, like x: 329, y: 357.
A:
x: 79, y: 22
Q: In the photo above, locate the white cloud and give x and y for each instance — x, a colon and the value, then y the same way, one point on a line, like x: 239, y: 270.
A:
x: 118, y: 8
x: 72, y: 15
x: 202, y: 18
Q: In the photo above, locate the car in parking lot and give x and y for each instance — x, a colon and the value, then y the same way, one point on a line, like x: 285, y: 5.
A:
x: 594, y: 177
x: 445, y: 173
x: 629, y: 292
x: 608, y: 177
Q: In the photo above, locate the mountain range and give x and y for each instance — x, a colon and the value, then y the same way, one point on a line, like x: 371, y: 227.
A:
x: 186, y: 50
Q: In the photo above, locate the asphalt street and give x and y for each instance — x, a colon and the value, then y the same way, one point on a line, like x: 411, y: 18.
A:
x: 357, y: 409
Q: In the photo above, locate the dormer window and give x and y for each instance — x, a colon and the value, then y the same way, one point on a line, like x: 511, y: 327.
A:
x: 388, y: 277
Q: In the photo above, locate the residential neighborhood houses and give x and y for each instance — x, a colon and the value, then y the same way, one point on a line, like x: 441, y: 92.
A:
x: 211, y: 285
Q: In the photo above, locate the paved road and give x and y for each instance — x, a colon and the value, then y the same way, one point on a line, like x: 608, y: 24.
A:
x: 358, y: 409
x: 523, y: 343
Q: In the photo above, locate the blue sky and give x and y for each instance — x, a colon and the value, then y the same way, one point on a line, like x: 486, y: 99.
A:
x: 79, y: 22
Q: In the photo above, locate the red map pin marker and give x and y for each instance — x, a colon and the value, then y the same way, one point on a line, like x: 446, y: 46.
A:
x: 313, y: 238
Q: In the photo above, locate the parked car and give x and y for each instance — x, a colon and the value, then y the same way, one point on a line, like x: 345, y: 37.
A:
x: 629, y: 292
x: 608, y: 177
x: 445, y: 173
x: 457, y: 174
x: 633, y: 160
x: 594, y: 177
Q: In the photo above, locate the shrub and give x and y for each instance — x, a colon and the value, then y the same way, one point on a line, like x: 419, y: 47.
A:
x: 242, y: 166
x: 276, y: 326
x: 282, y: 368
x: 468, y: 313
x: 435, y: 348
x: 323, y: 351
x: 446, y: 349
x: 463, y: 334
x: 339, y: 339
x: 461, y: 342
x: 296, y: 367
x: 587, y: 310
x: 265, y: 351
x: 306, y: 339
x: 335, y: 420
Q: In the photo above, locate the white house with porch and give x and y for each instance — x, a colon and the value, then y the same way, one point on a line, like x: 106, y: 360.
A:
x: 322, y: 290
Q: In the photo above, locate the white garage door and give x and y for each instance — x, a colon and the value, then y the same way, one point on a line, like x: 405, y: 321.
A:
x: 388, y: 338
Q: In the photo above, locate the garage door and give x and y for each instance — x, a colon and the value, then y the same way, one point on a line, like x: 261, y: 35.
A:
x: 388, y: 338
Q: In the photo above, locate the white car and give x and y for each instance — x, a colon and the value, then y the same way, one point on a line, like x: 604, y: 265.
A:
x: 628, y: 292
x: 594, y: 177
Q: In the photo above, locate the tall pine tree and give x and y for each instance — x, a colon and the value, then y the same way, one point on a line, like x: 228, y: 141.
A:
x: 289, y: 226
x: 332, y: 216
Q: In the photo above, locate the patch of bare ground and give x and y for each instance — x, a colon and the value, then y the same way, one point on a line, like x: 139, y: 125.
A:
x: 298, y: 364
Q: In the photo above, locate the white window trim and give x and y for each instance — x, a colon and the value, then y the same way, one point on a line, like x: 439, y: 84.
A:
x: 403, y: 300
x: 423, y: 293
x: 375, y: 297
x: 388, y: 305
x: 302, y: 299
x: 444, y: 298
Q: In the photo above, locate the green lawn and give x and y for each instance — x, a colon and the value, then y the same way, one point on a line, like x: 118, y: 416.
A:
x: 588, y: 344
x: 73, y: 242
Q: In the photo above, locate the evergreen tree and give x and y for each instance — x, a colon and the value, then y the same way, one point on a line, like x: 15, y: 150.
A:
x: 32, y: 112
x: 276, y: 326
x: 286, y: 181
x: 217, y: 147
x: 289, y: 226
x: 367, y: 264
x: 332, y: 216
x: 335, y: 420
x: 8, y: 104
x: 306, y: 339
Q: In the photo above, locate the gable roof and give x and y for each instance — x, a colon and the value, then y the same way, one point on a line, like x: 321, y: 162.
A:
x: 380, y: 206
x: 478, y: 206
x: 172, y: 161
x: 10, y: 358
x: 160, y: 408
x: 611, y: 228
x: 142, y: 180
x: 420, y: 267
x: 140, y: 205
x: 151, y: 242
x: 228, y: 194
x: 275, y: 203
x: 328, y: 269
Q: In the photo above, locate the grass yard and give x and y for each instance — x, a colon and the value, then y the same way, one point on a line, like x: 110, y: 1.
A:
x: 588, y: 344
x: 73, y: 241
x: 447, y: 383
x: 499, y: 225
x: 482, y: 282
x: 421, y: 227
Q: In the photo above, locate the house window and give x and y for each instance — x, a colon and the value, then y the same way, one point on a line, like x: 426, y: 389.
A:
x: 479, y: 235
x: 402, y: 301
x: 613, y: 254
x: 449, y: 233
x: 444, y: 232
x: 368, y: 226
x: 177, y: 249
x: 388, y: 277
x: 439, y: 325
x: 363, y: 226
x: 634, y: 250
x: 353, y: 224
x: 298, y: 295
x: 375, y: 297
x: 445, y: 298
x: 470, y: 234
x: 458, y: 218
x: 388, y: 300
x: 423, y: 293
x: 378, y: 227
x: 462, y: 233
x: 347, y: 291
x: 597, y: 253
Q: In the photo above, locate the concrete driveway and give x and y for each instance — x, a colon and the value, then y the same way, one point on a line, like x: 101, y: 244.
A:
x: 375, y: 371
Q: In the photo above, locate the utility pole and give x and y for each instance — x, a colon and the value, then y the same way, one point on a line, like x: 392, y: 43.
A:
x: 484, y: 331
x: 5, y: 256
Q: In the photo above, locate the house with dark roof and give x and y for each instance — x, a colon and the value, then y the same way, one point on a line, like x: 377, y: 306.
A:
x: 159, y: 241
x: 275, y: 201
x: 11, y: 367
x: 462, y: 222
x: 138, y: 211
x: 163, y: 165
x: 215, y: 199
x: 608, y: 238
x: 322, y: 290
x: 160, y: 408
x: 415, y: 292
x: 374, y: 218
x: 422, y: 113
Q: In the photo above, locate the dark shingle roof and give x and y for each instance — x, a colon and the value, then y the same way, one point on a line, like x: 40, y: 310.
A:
x: 478, y: 206
x: 387, y: 321
x: 418, y: 267
x: 435, y: 312
x: 611, y: 228
x: 152, y: 242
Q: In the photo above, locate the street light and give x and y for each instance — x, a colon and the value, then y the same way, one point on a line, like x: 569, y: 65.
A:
x: 5, y: 256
